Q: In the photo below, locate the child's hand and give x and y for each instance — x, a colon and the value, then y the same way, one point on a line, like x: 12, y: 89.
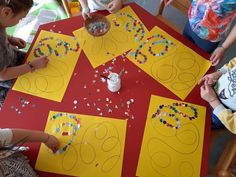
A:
x: 86, y: 13
x: 114, y: 6
x: 167, y: 2
x: 217, y: 55
x: 15, y: 41
x: 210, y: 79
x: 52, y: 143
x: 40, y: 62
x: 209, y: 95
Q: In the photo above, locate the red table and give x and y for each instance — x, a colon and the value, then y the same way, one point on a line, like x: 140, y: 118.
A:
x: 86, y: 88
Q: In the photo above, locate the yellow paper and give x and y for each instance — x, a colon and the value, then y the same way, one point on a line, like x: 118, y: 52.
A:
x: 121, y: 37
x: 97, y: 146
x: 169, y: 151
x: 50, y: 82
x: 169, y: 62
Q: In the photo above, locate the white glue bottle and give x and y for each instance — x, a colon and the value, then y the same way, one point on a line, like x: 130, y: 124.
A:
x: 114, y: 82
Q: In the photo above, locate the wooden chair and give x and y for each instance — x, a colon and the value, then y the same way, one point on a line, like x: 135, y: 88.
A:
x: 181, y: 5
x: 71, y: 8
x: 226, y: 165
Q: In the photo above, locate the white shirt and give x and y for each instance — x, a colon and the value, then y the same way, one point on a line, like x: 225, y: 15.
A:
x: 95, y: 5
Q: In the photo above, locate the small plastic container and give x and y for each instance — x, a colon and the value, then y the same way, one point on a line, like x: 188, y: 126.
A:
x: 114, y: 82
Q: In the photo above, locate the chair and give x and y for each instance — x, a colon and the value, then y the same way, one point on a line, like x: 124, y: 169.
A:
x: 181, y: 5
x: 71, y: 8
x: 226, y: 165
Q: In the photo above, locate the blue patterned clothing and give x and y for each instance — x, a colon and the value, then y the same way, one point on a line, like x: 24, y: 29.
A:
x: 211, y: 19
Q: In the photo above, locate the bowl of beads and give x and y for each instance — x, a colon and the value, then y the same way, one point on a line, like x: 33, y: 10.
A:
x: 97, y: 25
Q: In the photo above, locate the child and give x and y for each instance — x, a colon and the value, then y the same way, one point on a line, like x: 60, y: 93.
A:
x: 11, y: 11
x: 12, y: 162
x: 93, y: 5
x: 208, y: 23
x: 222, y: 97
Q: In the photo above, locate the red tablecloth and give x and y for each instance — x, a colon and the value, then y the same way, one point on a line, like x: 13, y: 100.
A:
x: 86, y: 88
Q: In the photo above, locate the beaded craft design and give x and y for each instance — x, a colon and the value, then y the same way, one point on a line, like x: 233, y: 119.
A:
x: 162, y: 40
x: 162, y: 112
x: 140, y: 32
x: 73, y: 127
x: 57, y: 49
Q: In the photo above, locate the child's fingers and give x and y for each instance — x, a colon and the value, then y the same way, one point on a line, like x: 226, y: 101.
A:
x: 215, y: 62
x: 201, y: 80
x: 109, y: 6
x: 213, y: 56
x: 202, y: 88
x: 206, y: 88
x: 22, y: 43
x: 214, y: 59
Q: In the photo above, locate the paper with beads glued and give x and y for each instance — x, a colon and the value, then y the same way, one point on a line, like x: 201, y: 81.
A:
x: 169, y: 151
x: 96, y: 148
x: 169, y: 62
x: 50, y: 82
x: 121, y: 37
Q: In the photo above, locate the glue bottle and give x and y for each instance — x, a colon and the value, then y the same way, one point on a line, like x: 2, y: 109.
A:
x: 113, y: 82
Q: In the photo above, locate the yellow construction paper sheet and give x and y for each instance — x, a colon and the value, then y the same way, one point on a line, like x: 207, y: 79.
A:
x: 50, y: 82
x: 91, y: 145
x: 169, y: 62
x: 121, y: 37
x: 168, y: 151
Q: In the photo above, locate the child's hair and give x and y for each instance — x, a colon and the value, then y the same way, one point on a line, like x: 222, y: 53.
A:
x: 17, y: 5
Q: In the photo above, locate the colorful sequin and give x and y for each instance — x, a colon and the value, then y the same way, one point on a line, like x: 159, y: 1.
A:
x: 73, y: 127
x: 160, y: 113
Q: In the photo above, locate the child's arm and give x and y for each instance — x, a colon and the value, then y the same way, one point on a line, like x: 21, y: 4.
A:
x: 85, y: 8
x: 211, y: 78
x: 35, y: 136
x: 225, y: 115
x: 219, y: 52
x: 13, y: 72
x: 114, y: 6
x: 15, y: 41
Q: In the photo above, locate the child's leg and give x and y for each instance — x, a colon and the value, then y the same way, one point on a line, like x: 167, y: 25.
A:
x: 16, y: 165
x: 215, y: 122
x: 3, y: 94
x: 20, y: 57
x: 206, y: 45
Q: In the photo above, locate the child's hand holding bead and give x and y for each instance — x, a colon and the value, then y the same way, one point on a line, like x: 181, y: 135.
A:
x: 40, y: 62
x: 52, y: 143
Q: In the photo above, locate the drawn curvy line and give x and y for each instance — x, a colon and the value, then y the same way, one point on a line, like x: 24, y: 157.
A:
x: 185, y: 70
x: 106, y: 138
x: 184, y: 167
x: 177, y: 132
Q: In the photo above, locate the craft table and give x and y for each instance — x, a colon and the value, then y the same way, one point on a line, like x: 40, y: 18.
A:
x: 90, y: 94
